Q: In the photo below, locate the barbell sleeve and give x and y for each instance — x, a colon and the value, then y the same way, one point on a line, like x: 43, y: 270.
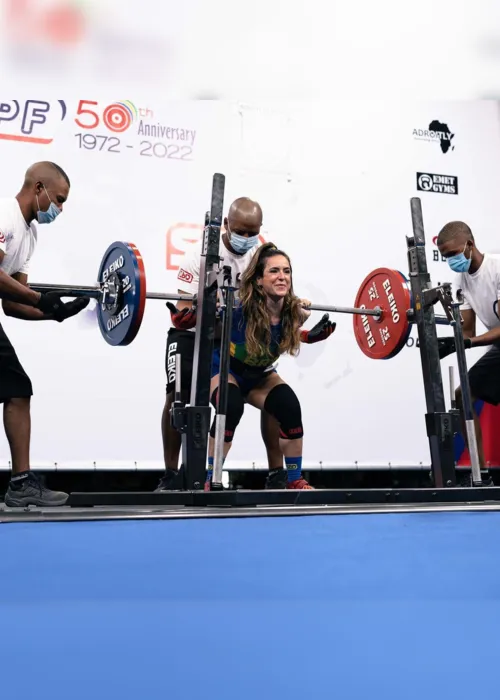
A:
x: 68, y: 290
x: 345, y: 310
x: 96, y: 292
x: 169, y: 297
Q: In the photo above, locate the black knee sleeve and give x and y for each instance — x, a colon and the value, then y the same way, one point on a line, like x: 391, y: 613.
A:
x: 235, y: 408
x: 283, y: 404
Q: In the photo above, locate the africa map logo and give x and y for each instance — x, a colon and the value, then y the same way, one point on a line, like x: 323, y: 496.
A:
x: 437, y: 132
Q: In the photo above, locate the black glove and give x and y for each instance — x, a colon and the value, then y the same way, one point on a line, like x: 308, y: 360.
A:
x: 71, y: 308
x: 182, y: 320
x: 447, y: 346
x: 50, y: 303
x: 321, y: 331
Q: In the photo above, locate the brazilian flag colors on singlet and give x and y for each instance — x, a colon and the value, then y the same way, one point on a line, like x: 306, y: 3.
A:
x: 238, y: 349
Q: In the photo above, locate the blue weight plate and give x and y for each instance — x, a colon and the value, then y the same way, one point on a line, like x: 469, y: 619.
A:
x: 121, y: 327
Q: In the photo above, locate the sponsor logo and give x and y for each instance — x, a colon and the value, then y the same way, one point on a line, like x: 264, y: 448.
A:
x: 185, y: 276
x: 30, y: 121
x: 2, y: 238
x: 412, y: 342
x: 172, y: 351
x: 437, y: 133
x: 440, y: 184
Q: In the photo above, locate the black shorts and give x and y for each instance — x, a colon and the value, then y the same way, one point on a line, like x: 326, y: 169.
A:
x: 14, y: 382
x: 484, y: 377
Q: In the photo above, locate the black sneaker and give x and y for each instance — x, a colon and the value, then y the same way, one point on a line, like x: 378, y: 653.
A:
x: 31, y: 491
x: 171, y: 481
x: 276, y: 479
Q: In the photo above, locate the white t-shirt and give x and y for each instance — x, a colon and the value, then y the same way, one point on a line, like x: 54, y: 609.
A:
x: 482, y: 290
x: 17, y: 239
x: 189, y: 272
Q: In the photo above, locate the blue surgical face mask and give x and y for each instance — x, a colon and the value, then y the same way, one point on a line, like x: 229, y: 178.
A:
x: 459, y: 263
x: 241, y: 244
x: 46, y: 217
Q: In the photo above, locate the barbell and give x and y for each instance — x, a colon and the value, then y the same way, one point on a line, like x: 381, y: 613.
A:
x: 383, y: 309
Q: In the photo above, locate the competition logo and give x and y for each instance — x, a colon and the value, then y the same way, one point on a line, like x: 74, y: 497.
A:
x: 30, y: 121
x: 119, y: 116
x: 436, y: 133
x: 121, y: 127
x: 111, y: 127
x: 440, y: 184
x: 116, y: 117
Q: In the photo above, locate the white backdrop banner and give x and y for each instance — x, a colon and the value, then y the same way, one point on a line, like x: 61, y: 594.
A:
x: 334, y: 180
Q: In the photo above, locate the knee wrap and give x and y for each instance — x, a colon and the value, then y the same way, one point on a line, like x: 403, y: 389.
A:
x: 283, y: 404
x: 235, y: 408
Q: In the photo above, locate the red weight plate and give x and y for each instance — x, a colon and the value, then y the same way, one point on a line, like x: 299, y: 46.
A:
x: 382, y: 338
x: 141, y: 293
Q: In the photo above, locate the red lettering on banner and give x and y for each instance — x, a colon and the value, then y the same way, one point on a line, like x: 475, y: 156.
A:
x: 61, y: 24
x: 179, y: 237
x: 2, y: 238
x: 185, y: 276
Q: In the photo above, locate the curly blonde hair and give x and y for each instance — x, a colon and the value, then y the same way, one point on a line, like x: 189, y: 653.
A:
x: 253, y: 299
